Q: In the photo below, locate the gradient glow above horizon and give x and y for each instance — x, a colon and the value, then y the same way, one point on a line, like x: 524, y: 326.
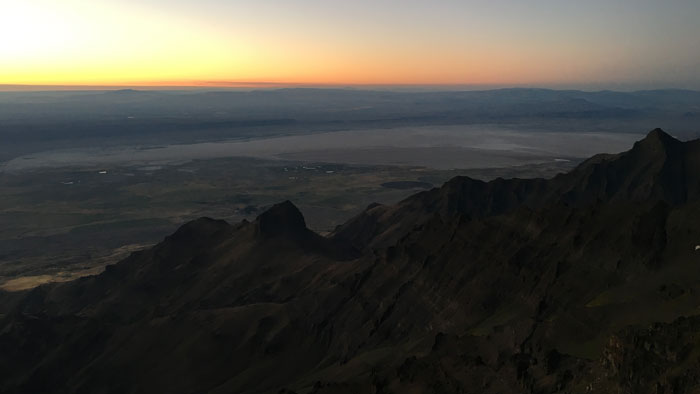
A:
x: 627, y: 43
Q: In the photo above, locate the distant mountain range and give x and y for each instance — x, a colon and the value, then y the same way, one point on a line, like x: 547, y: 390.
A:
x: 585, y: 283
x: 50, y: 120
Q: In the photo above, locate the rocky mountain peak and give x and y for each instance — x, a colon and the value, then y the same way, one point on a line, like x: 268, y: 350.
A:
x: 282, y: 218
x: 658, y: 140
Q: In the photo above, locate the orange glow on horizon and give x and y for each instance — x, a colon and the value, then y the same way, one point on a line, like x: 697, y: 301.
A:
x: 106, y: 44
x: 146, y: 43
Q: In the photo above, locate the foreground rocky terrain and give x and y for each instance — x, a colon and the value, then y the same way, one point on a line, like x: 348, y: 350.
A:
x: 588, y: 282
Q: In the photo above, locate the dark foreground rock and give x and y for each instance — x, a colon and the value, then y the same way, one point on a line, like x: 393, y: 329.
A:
x: 585, y: 283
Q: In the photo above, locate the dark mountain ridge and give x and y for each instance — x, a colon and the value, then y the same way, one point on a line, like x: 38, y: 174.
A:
x: 587, y: 282
x: 657, y: 168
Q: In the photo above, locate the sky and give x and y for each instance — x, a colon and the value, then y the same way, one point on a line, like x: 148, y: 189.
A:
x: 626, y: 44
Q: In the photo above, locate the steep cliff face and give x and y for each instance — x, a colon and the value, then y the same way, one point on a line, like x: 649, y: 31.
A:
x: 574, y: 284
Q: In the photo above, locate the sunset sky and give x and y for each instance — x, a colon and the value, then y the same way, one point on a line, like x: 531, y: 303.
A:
x: 554, y: 43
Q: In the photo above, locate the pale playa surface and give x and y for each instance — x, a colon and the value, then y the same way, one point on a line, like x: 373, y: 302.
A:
x: 440, y: 147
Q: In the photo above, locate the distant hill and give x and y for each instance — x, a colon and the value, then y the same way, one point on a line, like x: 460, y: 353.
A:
x: 585, y: 283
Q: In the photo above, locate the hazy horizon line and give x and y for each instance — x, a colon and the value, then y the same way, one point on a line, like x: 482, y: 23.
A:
x: 229, y: 85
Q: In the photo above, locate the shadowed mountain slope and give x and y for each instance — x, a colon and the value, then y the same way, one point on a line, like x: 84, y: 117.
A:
x: 657, y: 168
x: 585, y: 283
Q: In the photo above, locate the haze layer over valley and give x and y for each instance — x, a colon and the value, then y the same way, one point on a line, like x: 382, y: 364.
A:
x: 89, y: 176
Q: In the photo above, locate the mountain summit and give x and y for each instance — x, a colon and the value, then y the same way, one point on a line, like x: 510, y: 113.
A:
x: 659, y: 136
x: 584, y: 283
x: 282, y: 218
